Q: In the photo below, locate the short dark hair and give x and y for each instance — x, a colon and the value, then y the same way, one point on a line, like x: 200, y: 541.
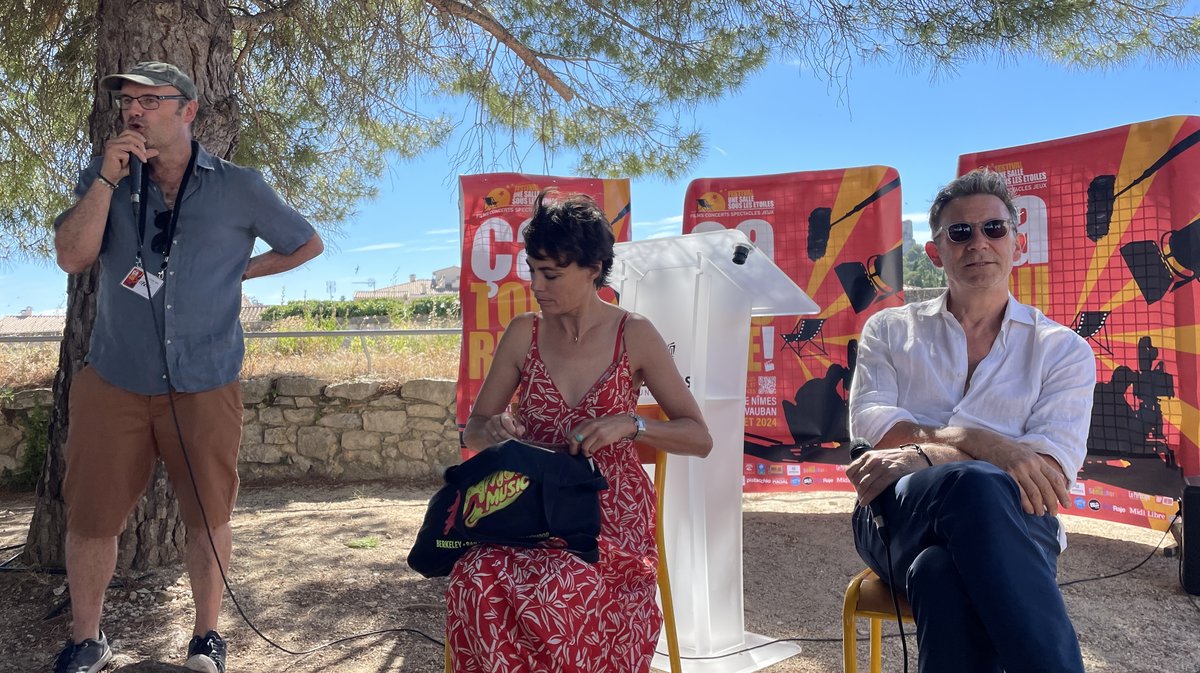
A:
x: 978, y: 181
x: 570, y: 229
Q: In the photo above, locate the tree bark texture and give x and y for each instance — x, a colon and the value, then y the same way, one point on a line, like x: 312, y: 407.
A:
x: 195, y: 35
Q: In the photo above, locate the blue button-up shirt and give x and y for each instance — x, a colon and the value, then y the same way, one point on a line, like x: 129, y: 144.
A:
x: 223, y: 209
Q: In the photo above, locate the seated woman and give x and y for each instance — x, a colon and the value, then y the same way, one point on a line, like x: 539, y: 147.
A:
x: 578, y: 366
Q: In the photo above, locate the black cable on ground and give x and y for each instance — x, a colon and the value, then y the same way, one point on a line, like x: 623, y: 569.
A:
x: 1129, y: 570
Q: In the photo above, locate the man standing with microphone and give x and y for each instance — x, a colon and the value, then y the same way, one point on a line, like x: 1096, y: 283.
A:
x: 978, y: 407
x: 161, y: 379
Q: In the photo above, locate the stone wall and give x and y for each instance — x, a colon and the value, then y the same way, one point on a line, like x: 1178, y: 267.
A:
x: 20, y: 415
x: 297, y: 426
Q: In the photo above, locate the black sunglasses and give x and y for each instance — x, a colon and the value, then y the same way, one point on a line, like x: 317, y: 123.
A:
x: 161, y: 241
x: 961, y: 232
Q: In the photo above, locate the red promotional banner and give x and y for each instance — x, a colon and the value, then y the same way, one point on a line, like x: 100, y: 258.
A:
x: 1112, y: 227
x: 495, y: 279
x: 837, y: 234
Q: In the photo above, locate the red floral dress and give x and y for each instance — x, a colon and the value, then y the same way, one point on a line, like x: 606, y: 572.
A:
x: 515, y: 610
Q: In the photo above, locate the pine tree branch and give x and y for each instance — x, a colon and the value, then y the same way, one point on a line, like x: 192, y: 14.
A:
x: 252, y: 22
x: 502, y: 34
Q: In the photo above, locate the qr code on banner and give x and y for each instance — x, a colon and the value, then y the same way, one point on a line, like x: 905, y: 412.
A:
x: 766, y: 385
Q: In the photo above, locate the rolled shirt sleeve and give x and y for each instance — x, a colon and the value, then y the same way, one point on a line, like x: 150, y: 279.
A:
x: 1060, y: 419
x: 874, y: 393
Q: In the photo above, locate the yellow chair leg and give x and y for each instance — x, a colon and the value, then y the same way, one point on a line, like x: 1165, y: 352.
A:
x: 876, y: 646
x: 664, y: 578
x: 449, y: 663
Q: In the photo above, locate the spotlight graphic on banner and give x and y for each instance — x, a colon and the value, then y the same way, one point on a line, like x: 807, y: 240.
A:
x: 821, y: 222
x: 864, y: 287
x: 1102, y: 194
x: 1165, y: 266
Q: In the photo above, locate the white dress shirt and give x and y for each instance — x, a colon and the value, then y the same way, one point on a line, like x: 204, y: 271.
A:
x: 1035, y: 385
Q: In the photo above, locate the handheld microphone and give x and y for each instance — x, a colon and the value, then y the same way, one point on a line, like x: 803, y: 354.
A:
x: 135, y: 179
x: 859, y: 446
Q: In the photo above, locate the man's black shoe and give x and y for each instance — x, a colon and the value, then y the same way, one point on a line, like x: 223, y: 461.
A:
x: 206, y: 653
x: 90, y: 656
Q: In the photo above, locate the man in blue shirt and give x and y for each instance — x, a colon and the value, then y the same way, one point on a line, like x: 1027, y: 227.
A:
x: 166, y: 344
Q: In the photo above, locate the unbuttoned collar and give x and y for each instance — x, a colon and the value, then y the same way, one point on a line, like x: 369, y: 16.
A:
x: 204, y: 159
x: 1014, y: 311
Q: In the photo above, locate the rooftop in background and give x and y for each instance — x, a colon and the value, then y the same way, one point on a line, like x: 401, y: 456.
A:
x: 444, y: 282
x: 26, y: 323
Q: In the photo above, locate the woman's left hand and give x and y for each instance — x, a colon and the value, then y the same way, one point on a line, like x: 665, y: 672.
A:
x: 589, y: 436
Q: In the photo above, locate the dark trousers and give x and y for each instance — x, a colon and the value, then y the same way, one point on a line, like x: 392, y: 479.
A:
x: 978, y: 571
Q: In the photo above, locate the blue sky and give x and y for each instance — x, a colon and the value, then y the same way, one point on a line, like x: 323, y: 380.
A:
x: 785, y: 119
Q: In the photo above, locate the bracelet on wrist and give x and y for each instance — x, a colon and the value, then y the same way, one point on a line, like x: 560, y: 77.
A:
x: 920, y: 452
x: 107, y: 183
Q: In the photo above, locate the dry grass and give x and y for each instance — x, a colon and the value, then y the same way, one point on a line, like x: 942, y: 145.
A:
x: 392, y: 358
x: 24, y: 366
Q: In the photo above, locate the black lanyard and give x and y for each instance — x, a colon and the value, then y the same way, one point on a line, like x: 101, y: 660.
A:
x: 169, y: 232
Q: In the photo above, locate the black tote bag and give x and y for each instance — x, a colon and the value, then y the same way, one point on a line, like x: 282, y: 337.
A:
x: 514, y: 494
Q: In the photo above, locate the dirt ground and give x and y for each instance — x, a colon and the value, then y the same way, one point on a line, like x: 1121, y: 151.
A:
x: 302, y: 586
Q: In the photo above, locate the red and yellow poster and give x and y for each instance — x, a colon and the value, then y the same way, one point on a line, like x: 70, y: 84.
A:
x: 837, y: 234
x: 1112, y: 224
x: 495, y: 279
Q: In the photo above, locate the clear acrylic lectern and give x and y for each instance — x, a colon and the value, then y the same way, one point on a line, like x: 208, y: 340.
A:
x: 701, y: 295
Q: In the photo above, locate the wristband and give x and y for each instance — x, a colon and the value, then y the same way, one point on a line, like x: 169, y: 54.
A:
x: 107, y: 183
x: 920, y: 452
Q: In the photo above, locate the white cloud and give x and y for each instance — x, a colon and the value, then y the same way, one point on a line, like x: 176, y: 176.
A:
x: 672, y: 220
x: 667, y: 226
x: 442, y: 231
x: 719, y: 149
x: 378, y: 246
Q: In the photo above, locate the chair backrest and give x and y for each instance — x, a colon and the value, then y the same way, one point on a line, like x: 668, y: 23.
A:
x: 1087, y: 323
x: 809, y: 328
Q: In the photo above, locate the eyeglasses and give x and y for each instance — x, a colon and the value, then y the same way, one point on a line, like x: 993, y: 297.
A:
x: 161, y: 243
x: 148, y: 102
x: 961, y: 232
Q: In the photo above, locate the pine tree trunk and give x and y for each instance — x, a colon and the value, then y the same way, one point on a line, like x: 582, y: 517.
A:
x: 195, y: 35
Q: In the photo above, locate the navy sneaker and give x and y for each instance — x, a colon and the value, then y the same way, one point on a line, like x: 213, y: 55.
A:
x: 206, y: 653
x: 90, y: 656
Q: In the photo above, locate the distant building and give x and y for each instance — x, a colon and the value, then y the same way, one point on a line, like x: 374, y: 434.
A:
x: 444, y: 282
x: 26, y: 324
x: 906, y: 236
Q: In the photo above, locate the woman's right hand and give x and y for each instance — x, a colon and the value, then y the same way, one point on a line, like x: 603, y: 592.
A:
x: 503, y: 426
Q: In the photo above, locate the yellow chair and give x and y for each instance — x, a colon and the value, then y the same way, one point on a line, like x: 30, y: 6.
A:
x: 649, y: 455
x: 870, y: 597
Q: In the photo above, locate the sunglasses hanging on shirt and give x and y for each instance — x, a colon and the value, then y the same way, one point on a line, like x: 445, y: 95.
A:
x: 165, y: 221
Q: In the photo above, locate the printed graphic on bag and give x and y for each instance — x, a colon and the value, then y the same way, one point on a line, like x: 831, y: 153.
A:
x: 491, y: 495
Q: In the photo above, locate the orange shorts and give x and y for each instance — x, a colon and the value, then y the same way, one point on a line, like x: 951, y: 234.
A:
x: 116, y: 436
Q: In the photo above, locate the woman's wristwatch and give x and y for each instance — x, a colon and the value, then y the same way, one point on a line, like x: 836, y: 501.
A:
x: 639, y: 426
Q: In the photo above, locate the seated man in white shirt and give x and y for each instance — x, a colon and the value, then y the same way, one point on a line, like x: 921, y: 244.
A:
x: 978, y: 407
